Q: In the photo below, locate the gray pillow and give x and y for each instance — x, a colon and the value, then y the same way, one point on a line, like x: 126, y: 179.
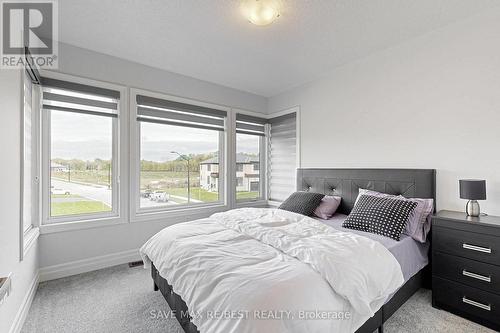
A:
x: 302, y: 202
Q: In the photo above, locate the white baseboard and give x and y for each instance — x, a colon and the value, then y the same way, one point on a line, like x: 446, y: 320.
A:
x: 87, y: 265
x: 22, y: 313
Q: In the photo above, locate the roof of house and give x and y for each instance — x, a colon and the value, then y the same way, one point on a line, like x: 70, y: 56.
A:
x: 240, y: 159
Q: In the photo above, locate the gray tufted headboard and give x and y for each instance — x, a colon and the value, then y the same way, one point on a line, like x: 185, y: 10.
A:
x: 416, y: 183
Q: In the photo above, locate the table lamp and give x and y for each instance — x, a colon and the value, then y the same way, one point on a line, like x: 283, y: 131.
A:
x: 473, y: 190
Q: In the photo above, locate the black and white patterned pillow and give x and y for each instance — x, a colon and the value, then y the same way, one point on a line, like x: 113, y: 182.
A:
x: 383, y: 216
x: 302, y: 202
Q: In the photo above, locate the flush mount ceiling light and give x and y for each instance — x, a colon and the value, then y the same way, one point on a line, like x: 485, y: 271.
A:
x: 261, y: 12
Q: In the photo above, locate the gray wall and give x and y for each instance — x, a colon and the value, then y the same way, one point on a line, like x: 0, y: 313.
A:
x: 25, y: 271
x: 432, y: 102
x: 97, y: 66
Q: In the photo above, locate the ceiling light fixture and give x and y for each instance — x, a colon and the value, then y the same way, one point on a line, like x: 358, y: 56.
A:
x: 261, y: 12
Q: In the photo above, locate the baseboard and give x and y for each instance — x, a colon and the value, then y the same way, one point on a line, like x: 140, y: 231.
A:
x: 87, y: 265
x: 22, y: 313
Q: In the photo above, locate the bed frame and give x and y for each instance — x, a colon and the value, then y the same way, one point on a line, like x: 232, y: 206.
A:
x: 416, y: 183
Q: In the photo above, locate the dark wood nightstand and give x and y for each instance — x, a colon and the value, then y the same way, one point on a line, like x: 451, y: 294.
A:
x: 466, y: 266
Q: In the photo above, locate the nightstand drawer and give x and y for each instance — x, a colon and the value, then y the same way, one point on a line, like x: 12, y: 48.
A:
x: 469, y: 302
x: 470, y: 272
x: 470, y: 245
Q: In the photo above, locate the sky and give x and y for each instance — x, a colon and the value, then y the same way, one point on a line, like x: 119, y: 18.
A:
x: 88, y: 137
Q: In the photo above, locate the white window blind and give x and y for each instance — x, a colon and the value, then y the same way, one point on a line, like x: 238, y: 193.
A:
x: 282, y: 156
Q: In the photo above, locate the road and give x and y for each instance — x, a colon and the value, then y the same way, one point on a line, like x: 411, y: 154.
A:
x: 94, y: 192
x: 103, y: 194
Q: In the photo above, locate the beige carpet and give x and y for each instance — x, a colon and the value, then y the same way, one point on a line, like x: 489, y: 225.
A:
x: 121, y: 299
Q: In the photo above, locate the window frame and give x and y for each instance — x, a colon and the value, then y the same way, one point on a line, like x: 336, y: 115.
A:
x: 127, y: 142
x: 119, y: 165
x: 263, y: 144
x: 28, y: 235
x: 137, y: 213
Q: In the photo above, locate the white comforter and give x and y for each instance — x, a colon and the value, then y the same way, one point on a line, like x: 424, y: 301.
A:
x: 268, y: 270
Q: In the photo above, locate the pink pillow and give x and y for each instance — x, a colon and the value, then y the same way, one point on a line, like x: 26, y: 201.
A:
x: 419, y: 222
x: 327, y: 207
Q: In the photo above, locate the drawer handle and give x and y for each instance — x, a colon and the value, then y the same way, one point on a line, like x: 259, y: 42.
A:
x: 476, y: 248
x: 486, y: 307
x: 476, y: 276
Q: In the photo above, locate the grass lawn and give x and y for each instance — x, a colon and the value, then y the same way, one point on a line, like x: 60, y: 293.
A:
x: 161, y: 179
x: 197, y: 193
x: 247, y: 195
x: 85, y: 206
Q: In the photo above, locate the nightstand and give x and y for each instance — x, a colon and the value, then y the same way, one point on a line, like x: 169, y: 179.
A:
x: 466, y: 266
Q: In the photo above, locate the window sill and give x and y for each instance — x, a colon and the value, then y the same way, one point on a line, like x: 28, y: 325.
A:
x: 274, y: 204
x: 29, y: 239
x: 193, y: 212
x: 190, y: 213
x: 80, y: 225
x: 181, y: 214
x: 251, y: 203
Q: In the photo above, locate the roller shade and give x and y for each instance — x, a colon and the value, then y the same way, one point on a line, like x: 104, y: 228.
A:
x: 282, y: 156
x: 67, y: 96
x: 160, y: 111
x: 250, y: 125
x: 82, y: 88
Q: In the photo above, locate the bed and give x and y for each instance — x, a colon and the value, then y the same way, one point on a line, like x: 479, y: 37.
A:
x: 412, y: 257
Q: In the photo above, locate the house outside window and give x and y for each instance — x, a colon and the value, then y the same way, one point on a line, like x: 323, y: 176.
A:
x: 209, y: 170
x: 247, y: 156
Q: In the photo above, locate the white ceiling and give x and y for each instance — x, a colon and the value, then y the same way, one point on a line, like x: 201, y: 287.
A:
x: 210, y: 40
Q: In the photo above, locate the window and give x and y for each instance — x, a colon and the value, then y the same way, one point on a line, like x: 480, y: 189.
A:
x: 282, y: 156
x: 81, y: 122
x: 250, y: 136
x: 180, y: 145
x: 29, y: 154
